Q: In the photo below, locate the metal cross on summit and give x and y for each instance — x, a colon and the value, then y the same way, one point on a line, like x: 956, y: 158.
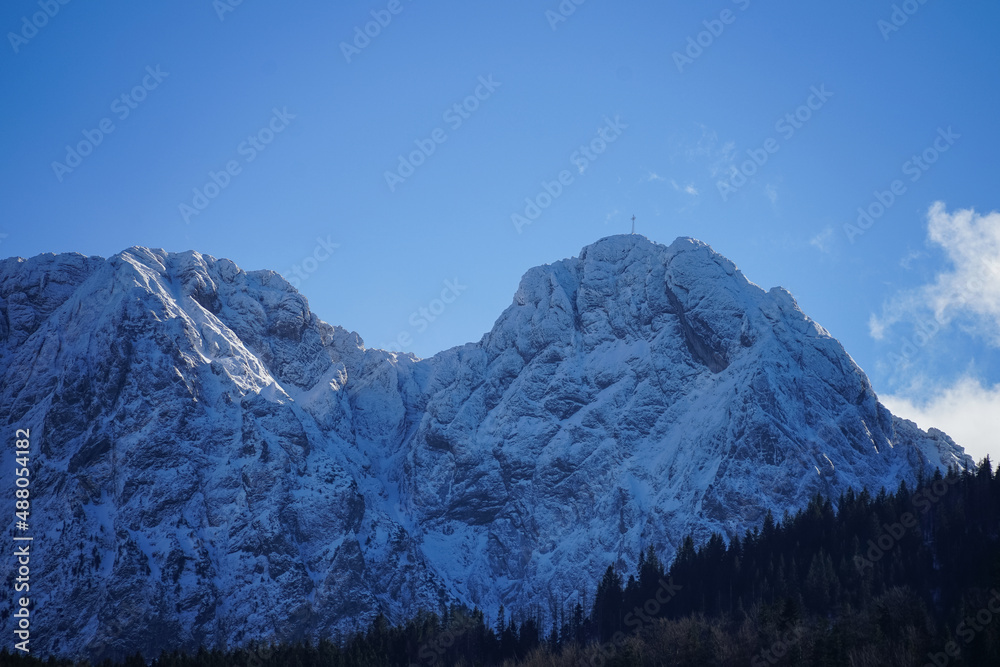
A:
x: 633, y: 224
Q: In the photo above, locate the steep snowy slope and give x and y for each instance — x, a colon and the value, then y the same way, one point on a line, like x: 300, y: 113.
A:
x: 630, y: 397
x: 213, y: 463
x: 180, y: 493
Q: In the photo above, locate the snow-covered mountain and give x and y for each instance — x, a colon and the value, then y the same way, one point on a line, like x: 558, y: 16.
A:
x: 212, y: 463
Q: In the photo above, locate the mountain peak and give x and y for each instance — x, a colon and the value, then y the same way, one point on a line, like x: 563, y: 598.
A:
x: 211, y: 449
x: 628, y: 242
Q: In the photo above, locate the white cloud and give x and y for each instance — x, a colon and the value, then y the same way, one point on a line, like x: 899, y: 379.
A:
x: 653, y: 176
x: 689, y: 188
x: 911, y: 257
x: 822, y: 240
x: 967, y: 411
x: 720, y: 156
x: 876, y: 328
x: 970, y: 288
x: 972, y: 242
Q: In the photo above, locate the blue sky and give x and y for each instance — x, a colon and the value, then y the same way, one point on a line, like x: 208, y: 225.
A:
x: 283, y: 137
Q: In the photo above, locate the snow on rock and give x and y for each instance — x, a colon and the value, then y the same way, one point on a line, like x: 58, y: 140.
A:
x: 212, y: 463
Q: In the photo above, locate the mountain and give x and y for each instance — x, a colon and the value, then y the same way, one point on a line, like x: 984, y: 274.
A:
x: 212, y: 463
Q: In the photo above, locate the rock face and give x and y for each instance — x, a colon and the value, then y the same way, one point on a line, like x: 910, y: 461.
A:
x: 211, y: 463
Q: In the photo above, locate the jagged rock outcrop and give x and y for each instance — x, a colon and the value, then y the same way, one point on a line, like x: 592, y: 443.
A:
x: 212, y: 463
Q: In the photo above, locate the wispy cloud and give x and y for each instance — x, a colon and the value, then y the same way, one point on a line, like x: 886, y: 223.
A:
x: 653, y: 176
x: 876, y: 327
x: 969, y: 289
x: 720, y: 155
x: 725, y: 159
x: 968, y: 411
x: 907, y: 260
x: 687, y: 189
